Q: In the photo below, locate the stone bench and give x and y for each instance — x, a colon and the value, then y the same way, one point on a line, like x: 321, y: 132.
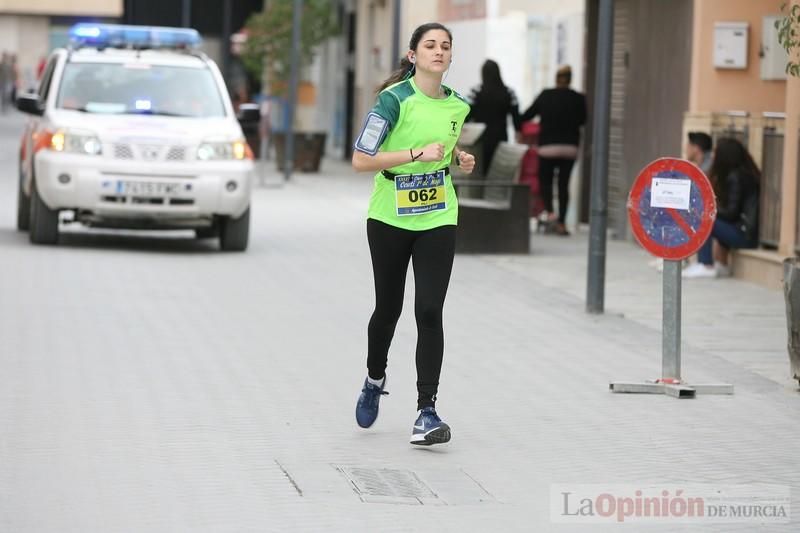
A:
x: 494, y: 217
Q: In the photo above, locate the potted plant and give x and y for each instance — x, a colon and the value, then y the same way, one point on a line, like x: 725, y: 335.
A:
x: 267, y: 53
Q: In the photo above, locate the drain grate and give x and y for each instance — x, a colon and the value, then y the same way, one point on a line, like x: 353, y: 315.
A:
x: 389, y: 485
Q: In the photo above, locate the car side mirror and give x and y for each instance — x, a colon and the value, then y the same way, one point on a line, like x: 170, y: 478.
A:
x: 249, y: 113
x: 29, y: 103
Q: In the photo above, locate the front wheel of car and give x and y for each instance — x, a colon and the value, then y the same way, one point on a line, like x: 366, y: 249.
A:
x: 43, y: 220
x: 23, y: 208
x: 233, y: 232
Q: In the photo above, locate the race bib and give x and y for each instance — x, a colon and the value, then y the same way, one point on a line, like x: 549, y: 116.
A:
x: 420, y: 193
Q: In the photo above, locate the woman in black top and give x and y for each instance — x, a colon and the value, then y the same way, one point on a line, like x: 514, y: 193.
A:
x: 735, y: 178
x: 561, y: 113
x: 491, y: 103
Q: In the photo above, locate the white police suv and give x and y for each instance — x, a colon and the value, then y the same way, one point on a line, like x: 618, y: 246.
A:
x: 131, y: 127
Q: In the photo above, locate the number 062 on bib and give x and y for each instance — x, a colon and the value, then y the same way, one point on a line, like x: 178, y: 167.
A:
x: 420, y: 193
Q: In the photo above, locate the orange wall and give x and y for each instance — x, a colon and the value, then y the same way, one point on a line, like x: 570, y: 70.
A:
x: 106, y: 8
x: 471, y: 9
x: 723, y: 90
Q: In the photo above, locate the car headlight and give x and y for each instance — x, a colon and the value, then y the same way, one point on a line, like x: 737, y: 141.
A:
x: 209, y: 151
x: 76, y: 142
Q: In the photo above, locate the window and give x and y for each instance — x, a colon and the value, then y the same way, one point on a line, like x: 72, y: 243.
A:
x: 141, y: 89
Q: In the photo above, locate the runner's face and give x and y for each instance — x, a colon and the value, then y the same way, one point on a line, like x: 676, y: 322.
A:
x: 433, y: 52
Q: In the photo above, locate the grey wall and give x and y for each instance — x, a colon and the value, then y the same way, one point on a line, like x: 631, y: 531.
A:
x: 657, y: 85
x: 650, y: 92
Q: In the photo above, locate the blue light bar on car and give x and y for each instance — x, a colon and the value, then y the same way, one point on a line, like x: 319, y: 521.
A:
x: 121, y: 36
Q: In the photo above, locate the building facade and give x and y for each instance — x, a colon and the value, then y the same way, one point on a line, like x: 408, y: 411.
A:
x: 31, y: 29
x: 707, y: 65
x: 755, y: 102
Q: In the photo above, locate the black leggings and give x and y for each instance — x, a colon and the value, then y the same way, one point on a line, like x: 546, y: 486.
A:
x: 432, y: 254
x: 547, y: 167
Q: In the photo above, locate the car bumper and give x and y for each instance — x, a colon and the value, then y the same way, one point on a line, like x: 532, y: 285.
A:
x: 160, y: 192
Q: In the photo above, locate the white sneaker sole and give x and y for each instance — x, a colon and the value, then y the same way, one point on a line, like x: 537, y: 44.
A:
x: 439, y: 435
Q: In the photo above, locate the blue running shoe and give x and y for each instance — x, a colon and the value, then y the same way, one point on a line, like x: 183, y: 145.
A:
x: 429, y: 428
x: 367, y: 406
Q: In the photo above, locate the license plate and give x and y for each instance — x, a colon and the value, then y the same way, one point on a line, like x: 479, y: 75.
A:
x: 148, y: 188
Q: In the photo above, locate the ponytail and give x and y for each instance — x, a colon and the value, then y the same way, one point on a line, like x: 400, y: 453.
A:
x: 405, y: 70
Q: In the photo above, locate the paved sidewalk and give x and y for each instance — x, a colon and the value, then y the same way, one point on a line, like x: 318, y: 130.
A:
x: 150, y: 385
x: 738, y: 321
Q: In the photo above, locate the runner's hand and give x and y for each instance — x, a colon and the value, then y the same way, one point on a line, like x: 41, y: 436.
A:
x: 466, y: 161
x: 432, y: 152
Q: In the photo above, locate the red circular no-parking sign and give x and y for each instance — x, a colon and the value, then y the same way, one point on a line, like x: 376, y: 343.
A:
x: 671, y: 208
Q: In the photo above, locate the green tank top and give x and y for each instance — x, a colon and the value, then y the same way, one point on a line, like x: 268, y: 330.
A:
x: 404, y: 117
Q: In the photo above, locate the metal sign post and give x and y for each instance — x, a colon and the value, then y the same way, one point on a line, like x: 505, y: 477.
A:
x: 671, y: 321
x: 596, y: 271
x: 672, y: 210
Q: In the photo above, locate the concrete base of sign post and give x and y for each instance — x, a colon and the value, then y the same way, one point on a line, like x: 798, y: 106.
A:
x: 676, y: 390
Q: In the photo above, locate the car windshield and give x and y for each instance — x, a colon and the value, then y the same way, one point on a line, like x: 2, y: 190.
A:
x: 141, y: 89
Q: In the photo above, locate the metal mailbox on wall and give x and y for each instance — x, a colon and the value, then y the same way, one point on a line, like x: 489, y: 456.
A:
x: 773, y: 55
x: 730, y: 45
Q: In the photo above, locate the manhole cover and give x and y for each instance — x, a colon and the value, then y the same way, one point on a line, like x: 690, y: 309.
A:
x: 389, y: 485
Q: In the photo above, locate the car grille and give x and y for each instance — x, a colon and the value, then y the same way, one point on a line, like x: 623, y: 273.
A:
x: 149, y: 152
x: 176, y: 153
x: 123, y: 151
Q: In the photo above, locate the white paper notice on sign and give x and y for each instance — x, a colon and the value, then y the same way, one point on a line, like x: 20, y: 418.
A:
x: 671, y: 193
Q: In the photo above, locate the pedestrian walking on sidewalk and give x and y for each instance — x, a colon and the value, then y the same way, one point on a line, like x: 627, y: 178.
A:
x: 492, y: 102
x: 561, y: 113
x: 409, y: 137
